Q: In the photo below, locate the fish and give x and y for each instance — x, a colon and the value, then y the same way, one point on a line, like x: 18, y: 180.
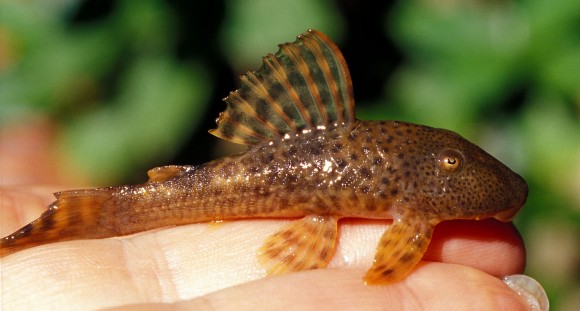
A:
x: 308, y: 158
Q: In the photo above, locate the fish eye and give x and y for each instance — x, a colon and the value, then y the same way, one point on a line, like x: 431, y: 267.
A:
x: 450, y: 160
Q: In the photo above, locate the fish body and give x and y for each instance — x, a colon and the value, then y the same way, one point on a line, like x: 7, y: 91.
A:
x: 308, y: 158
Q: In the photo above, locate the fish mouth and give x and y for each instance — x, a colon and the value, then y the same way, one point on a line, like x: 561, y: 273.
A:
x: 510, y: 213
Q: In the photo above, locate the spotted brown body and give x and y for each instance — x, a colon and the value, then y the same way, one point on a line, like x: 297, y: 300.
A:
x: 308, y: 157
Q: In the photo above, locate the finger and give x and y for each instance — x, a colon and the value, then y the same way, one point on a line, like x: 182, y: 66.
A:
x: 489, y: 245
x: 176, y: 263
x: 457, y: 287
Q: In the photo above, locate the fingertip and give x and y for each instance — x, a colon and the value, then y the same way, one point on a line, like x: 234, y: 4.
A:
x: 529, y: 290
x: 492, y: 246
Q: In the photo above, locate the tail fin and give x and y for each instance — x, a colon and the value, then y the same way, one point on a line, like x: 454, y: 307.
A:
x: 74, y: 215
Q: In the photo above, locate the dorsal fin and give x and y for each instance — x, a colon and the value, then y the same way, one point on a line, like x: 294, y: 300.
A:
x: 305, y: 85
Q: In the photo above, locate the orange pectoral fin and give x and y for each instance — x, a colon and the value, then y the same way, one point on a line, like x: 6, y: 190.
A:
x: 304, y: 244
x: 400, y: 249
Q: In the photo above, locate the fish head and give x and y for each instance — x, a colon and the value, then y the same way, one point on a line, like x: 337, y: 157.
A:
x: 458, y: 179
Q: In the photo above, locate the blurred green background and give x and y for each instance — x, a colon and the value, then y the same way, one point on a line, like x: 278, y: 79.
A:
x: 129, y: 85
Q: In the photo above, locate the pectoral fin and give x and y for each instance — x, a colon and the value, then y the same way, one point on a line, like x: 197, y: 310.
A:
x: 301, y: 245
x: 400, y: 249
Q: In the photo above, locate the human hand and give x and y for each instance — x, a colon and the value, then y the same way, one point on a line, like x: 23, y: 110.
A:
x: 214, y: 266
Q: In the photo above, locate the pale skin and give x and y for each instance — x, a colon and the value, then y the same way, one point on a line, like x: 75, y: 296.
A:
x: 213, y: 266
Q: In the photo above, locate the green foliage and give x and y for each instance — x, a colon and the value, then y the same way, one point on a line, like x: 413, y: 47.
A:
x: 254, y: 27
x: 115, y: 87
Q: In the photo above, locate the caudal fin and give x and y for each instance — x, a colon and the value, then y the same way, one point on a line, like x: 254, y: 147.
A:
x: 74, y: 215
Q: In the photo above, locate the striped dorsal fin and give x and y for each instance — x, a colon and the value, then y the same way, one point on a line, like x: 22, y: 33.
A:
x: 304, y: 86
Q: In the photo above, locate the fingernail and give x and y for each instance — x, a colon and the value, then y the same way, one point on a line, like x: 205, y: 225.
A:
x: 530, y: 290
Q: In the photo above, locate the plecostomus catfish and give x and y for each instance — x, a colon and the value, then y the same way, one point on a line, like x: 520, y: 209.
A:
x: 308, y: 156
